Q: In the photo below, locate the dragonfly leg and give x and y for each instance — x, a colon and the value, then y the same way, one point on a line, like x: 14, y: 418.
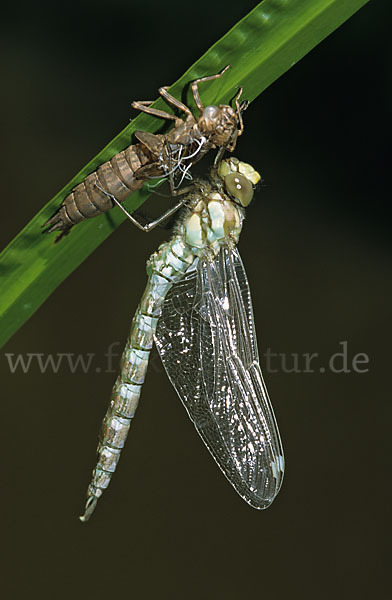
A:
x: 219, y: 155
x: 147, y: 228
x: 155, y: 112
x: 195, y: 89
x: 240, y: 108
x: 152, y: 224
x: 172, y: 100
x: 174, y: 189
x: 239, y: 112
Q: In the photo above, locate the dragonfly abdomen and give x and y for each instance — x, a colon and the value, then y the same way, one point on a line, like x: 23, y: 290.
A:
x: 165, y: 267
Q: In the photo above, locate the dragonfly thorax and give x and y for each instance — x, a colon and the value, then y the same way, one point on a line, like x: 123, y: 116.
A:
x: 216, y: 210
x: 214, y: 221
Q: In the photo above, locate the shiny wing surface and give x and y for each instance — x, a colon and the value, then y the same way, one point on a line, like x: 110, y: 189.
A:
x: 207, y: 342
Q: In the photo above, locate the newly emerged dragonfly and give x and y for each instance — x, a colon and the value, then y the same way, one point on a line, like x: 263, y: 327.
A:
x: 154, y: 156
x: 197, y: 307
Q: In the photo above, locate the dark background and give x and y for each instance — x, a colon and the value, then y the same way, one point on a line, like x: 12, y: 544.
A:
x: 317, y: 250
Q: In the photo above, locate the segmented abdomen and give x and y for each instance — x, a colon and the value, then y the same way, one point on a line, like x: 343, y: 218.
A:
x: 116, y: 177
x: 165, y: 267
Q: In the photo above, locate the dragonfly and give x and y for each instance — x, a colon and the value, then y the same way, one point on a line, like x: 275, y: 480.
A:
x: 197, y: 309
x: 154, y: 156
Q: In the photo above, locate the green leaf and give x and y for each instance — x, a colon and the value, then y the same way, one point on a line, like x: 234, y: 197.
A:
x: 260, y: 48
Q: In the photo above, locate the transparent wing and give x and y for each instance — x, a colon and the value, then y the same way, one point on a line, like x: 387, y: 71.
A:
x: 207, y: 342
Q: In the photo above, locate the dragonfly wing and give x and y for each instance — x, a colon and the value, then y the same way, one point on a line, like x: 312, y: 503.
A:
x: 207, y: 342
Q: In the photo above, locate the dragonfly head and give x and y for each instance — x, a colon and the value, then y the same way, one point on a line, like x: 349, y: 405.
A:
x: 239, y: 179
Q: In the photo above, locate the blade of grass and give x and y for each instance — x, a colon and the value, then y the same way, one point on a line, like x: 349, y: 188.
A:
x: 261, y: 47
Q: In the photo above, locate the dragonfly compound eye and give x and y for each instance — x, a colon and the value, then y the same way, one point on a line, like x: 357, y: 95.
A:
x: 239, y: 187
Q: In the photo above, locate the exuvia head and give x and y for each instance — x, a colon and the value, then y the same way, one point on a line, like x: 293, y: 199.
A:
x: 222, y: 124
x: 219, y: 124
x: 239, y: 179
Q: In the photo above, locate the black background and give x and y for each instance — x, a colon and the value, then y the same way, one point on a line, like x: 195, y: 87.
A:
x: 317, y: 250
